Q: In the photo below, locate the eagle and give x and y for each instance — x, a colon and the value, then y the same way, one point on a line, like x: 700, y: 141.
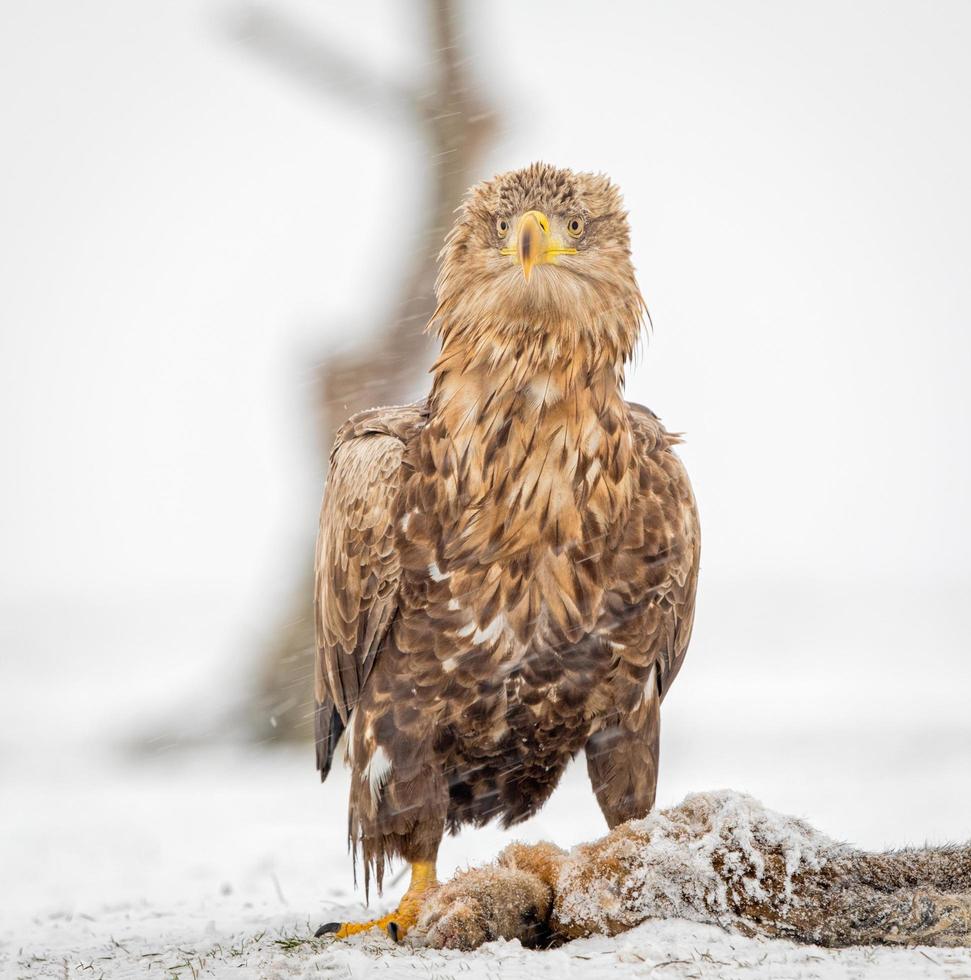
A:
x: 506, y: 569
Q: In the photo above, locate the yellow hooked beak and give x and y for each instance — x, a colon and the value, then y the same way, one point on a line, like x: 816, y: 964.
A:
x: 534, y: 243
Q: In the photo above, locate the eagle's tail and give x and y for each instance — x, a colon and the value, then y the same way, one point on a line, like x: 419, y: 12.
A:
x: 328, y: 728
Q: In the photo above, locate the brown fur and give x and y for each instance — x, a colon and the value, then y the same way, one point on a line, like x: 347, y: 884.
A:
x: 506, y: 570
x: 717, y: 858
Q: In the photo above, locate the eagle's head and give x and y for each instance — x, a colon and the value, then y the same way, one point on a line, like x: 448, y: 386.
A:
x: 542, y: 251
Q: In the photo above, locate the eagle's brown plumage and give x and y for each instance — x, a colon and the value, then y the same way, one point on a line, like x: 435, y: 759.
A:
x: 506, y: 570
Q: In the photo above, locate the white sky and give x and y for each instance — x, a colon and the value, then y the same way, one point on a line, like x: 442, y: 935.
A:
x: 182, y: 228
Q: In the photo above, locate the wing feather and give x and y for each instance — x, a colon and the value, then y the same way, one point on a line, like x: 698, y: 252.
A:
x: 357, y: 565
x: 662, y: 547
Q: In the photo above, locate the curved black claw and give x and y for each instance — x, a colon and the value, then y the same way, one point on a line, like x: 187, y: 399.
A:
x: 326, y: 928
x: 393, y: 931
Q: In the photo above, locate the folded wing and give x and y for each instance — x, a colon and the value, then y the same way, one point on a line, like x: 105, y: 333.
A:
x: 357, y: 564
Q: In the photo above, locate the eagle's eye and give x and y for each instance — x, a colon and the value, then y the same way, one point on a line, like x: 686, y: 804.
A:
x: 502, y: 226
x: 575, y: 226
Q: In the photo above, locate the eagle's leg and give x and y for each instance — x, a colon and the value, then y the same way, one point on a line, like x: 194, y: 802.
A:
x: 398, y: 922
x: 622, y: 759
x: 398, y: 794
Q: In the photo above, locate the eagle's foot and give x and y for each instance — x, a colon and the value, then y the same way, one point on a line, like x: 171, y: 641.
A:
x: 397, y: 923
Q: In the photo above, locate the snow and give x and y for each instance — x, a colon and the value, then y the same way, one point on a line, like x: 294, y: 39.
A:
x: 221, y: 862
x: 145, y: 946
x: 676, y: 875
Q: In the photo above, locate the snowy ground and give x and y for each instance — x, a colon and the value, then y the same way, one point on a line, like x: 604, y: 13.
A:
x: 220, y: 861
x: 223, y: 864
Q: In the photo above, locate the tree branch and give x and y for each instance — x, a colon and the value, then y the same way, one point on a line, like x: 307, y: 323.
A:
x: 316, y: 63
x: 456, y: 126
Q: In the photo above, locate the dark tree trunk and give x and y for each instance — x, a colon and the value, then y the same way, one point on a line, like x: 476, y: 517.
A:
x: 456, y: 128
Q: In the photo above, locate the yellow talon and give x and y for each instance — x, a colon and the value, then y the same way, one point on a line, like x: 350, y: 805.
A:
x: 396, y: 923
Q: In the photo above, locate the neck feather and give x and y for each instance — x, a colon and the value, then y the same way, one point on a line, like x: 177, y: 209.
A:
x: 538, y: 432
x: 488, y: 370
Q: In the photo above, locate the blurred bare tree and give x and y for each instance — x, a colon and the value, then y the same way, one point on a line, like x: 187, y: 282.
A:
x: 456, y: 125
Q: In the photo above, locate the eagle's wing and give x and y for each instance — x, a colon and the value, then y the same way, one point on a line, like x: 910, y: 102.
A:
x: 660, y: 554
x: 649, y: 613
x: 357, y: 566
